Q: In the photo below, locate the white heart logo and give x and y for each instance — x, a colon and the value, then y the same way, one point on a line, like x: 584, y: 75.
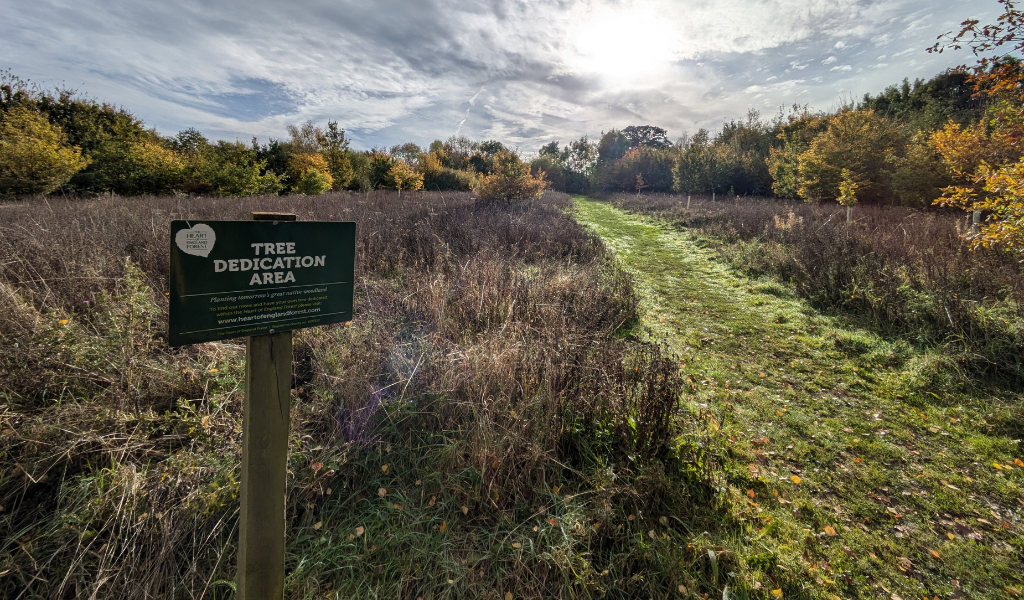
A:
x: 197, y: 241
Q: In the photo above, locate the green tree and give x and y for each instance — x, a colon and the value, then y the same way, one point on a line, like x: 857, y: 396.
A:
x: 334, y: 149
x: 918, y: 175
x: 379, y: 169
x: 34, y: 158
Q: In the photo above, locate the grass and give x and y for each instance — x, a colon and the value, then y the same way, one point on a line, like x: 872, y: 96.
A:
x: 856, y: 466
x: 482, y: 427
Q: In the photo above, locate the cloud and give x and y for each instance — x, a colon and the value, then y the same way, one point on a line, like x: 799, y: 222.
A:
x: 523, y: 72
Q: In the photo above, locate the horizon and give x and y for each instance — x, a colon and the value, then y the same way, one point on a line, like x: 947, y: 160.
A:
x: 523, y: 74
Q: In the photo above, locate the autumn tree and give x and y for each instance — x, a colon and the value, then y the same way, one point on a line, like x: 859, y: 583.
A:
x: 857, y: 140
x: 34, y: 157
x: 993, y: 185
x: 404, y: 177
x: 510, y: 180
x: 310, y: 173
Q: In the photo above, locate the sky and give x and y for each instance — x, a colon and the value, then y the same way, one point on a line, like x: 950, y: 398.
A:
x: 523, y: 73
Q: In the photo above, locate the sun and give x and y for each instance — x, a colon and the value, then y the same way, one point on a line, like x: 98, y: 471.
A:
x: 622, y: 46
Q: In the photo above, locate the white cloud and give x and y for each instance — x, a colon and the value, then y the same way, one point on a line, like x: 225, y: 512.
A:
x: 399, y: 70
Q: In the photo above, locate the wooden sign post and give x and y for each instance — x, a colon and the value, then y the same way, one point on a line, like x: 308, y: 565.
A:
x: 262, y: 279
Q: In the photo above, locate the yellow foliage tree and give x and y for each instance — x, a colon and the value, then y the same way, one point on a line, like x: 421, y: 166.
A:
x: 405, y: 177
x: 310, y: 173
x: 510, y: 180
x: 857, y: 140
x: 1002, y: 196
x: 34, y: 158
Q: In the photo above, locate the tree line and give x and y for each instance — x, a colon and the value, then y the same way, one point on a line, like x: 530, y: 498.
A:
x: 59, y: 141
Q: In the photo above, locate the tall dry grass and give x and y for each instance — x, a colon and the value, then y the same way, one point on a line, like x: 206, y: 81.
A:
x: 497, y: 326
x: 904, y: 272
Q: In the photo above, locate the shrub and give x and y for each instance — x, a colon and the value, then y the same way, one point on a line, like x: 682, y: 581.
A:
x: 510, y: 181
x: 34, y: 158
x: 403, y: 177
x: 131, y: 168
x: 313, y: 182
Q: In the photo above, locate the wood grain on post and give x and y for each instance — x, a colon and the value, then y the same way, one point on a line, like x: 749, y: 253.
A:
x: 265, y: 424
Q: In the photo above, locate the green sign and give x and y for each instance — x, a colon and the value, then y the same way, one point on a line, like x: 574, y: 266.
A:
x: 232, y: 279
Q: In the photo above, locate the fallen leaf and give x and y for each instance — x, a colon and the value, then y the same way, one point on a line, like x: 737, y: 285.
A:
x: 516, y: 545
x: 934, y: 553
x: 830, y: 531
x: 508, y: 595
x: 630, y: 518
x: 384, y: 468
x: 329, y: 490
x: 433, y: 500
x: 317, y: 466
x: 750, y: 494
x: 381, y: 492
x: 418, y: 482
x: 777, y: 593
x: 553, y: 521
x: 359, y: 531
x: 465, y: 510
x: 1018, y: 462
x: 997, y: 465
x: 555, y: 489
x: 795, y: 479
x: 444, y: 527
x: 318, y: 525
x: 950, y: 536
x: 62, y: 322
x: 663, y: 520
x: 206, y: 421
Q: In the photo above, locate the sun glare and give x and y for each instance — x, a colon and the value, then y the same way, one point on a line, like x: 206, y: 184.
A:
x: 623, y: 46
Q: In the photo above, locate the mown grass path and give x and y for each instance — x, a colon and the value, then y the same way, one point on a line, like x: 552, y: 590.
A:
x: 857, y: 472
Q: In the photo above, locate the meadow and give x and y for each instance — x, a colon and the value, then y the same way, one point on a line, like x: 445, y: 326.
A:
x: 482, y: 426
x: 636, y: 397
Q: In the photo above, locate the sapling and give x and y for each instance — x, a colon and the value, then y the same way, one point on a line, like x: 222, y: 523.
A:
x: 847, y: 193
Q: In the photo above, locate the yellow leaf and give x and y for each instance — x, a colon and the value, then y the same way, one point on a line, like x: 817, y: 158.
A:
x: 934, y: 553
x: 830, y: 531
x: 1018, y: 462
x: 555, y: 489
x: 381, y: 492
x: 508, y: 595
x: 359, y: 531
x: 997, y: 465
x: 62, y: 322
x: 444, y: 527
x: 777, y: 593
x: 950, y: 536
x: 794, y: 479
x: 206, y: 422
x: 383, y: 468
x: 318, y: 525
x: 213, y: 371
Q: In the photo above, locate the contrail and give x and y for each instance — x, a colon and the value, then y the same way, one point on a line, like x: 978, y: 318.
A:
x: 472, y: 101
